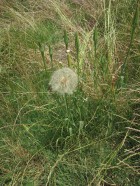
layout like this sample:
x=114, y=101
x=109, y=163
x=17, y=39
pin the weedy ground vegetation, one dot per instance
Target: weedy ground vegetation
x=86, y=130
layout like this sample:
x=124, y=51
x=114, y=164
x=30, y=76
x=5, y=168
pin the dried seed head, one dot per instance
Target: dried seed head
x=64, y=81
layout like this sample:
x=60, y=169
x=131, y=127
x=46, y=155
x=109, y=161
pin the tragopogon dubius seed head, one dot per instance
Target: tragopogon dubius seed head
x=64, y=81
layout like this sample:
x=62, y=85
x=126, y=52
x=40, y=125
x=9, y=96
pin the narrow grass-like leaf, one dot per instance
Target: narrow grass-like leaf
x=42, y=51
x=133, y=28
x=66, y=39
x=51, y=55
x=95, y=40
x=77, y=46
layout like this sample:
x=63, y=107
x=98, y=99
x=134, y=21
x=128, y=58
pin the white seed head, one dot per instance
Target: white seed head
x=64, y=81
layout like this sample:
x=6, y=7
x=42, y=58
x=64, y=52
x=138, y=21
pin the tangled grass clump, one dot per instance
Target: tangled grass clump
x=86, y=130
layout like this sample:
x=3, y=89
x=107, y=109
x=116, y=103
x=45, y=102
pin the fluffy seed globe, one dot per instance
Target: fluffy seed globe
x=64, y=81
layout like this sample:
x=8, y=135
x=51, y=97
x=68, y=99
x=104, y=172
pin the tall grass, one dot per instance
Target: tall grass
x=92, y=136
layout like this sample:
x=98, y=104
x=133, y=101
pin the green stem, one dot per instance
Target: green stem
x=134, y=25
x=42, y=49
